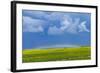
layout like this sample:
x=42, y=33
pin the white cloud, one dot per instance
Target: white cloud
x=54, y=31
x=66, y=22
x=32, y=25
x=69, y=25
x=35, y=14
x=53, y=16
x=73, y=26
x=37, y=21
x=82, y=27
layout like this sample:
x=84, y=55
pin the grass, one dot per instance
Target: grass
x=56, y=54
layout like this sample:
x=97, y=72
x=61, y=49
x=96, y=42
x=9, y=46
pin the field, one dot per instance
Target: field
x=56, y=54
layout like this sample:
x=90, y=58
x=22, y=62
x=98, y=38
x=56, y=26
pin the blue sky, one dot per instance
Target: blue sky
x=49, y=28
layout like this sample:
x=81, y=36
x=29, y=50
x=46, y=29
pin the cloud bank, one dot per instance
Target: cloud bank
x=32, y=25
x=57, y=23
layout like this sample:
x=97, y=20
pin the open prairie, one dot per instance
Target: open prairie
x=56, y=54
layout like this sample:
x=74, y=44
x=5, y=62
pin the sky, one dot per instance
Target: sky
x=51, y=28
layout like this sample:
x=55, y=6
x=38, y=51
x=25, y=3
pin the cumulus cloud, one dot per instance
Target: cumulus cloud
x=69, y=25
x=35, y=14
x=73, y=26
x=38, y=21
x=32, y=25
x=54, y=31
x=51, y=16
x=54, y=16
x=66, y=22
x=82, y=27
